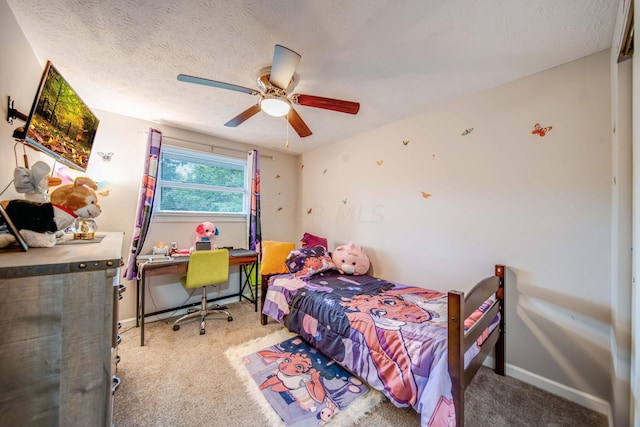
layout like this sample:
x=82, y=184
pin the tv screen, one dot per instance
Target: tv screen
x=60, y=123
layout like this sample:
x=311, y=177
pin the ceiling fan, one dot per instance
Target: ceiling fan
x=274, y=86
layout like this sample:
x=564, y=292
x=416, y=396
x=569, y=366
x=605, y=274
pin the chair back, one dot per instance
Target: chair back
x=207, y=268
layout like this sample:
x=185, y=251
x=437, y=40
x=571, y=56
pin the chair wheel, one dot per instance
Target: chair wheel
x=229, y=319
x=176, y=327
x=202, y=331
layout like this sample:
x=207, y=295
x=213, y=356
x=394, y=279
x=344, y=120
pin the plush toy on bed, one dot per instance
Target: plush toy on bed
x=205, y=232
x=351, y=259
x=41, y=223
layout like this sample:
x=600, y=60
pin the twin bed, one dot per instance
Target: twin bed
x=419, y=347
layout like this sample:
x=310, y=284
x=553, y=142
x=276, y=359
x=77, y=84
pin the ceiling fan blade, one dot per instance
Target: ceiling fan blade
x=297, y=123
x=326, y=103
x=246, y=114
x=283, y=66
x=214, y=83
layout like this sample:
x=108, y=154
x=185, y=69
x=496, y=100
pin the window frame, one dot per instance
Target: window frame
x=186, y=154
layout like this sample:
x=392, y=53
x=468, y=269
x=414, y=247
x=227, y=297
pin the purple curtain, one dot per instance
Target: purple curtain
x=145, y=204
x=255, y=232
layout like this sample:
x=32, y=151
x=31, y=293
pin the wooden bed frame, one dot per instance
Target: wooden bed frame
x=461, y=306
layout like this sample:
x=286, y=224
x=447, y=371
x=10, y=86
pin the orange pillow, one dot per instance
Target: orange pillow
x=273, y=256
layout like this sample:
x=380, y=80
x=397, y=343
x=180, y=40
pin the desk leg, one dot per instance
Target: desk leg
x=248, y=270
x=137, y=302
x=240, y=281
x=142, y=288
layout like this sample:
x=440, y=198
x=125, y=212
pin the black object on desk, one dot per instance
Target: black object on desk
x=247, y=261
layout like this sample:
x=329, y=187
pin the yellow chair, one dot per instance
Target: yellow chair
x=205, y=268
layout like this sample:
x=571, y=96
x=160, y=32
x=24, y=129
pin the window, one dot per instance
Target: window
x=197, y=182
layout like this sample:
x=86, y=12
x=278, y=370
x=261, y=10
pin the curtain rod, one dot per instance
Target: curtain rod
x=216, y=146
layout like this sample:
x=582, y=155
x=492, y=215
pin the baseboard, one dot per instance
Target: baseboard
x=576, y=396
x=128, y=323
x=131, y=322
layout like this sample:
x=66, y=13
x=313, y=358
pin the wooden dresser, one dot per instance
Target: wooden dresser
x=59, y=336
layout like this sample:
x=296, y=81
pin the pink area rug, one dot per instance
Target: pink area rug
x=299, y=385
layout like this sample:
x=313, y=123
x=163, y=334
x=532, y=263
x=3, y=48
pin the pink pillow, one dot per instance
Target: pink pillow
x=309, y=241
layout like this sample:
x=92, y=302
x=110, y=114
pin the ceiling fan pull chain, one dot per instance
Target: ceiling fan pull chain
x=286, y=124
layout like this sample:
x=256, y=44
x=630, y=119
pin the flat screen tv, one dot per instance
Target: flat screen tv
x=60, y=124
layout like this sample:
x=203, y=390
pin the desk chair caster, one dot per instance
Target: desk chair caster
x=202, y=331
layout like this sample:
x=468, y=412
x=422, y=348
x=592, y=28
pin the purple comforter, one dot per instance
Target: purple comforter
x=393, y=336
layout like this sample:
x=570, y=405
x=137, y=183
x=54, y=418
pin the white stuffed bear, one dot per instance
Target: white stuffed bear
x=34, y=182
x=41, y=223
x=351, y=259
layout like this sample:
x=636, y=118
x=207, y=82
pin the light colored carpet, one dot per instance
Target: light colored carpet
x=346, y=417
x=184, y=379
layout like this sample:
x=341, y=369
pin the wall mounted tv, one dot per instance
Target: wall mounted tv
x=60, y=124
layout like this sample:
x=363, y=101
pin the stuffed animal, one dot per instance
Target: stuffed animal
x=351, y=259
x=34, y=182
x=41, y=223
x=205, y=232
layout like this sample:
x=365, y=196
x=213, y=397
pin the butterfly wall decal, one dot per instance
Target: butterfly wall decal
x=379, y=162
x=405, y=141
x=426, y=195
x=539, y=130
x=105, y=156
x=467, y=131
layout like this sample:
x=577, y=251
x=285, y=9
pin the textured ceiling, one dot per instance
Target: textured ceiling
x=397, y=58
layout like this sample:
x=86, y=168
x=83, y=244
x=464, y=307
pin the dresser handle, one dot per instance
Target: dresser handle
x=116, y=384
x=118, y=339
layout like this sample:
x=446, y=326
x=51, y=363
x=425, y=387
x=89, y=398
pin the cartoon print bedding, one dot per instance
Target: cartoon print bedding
x=393, y=336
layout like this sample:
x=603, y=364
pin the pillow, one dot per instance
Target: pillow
x=309, y=241
x=305, y=262
x=274, y=255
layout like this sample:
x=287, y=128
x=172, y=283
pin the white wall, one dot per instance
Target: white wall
x=622, y=186
x=20, y=73
x=542, y=206
x=635, y=120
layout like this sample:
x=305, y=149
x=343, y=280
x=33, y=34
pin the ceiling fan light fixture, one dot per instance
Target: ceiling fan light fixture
x=274, y=105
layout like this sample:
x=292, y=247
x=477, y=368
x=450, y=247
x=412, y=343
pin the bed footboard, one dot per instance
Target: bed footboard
x=460, y=307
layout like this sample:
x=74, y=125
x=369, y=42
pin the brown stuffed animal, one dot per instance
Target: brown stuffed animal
x=41, y=223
